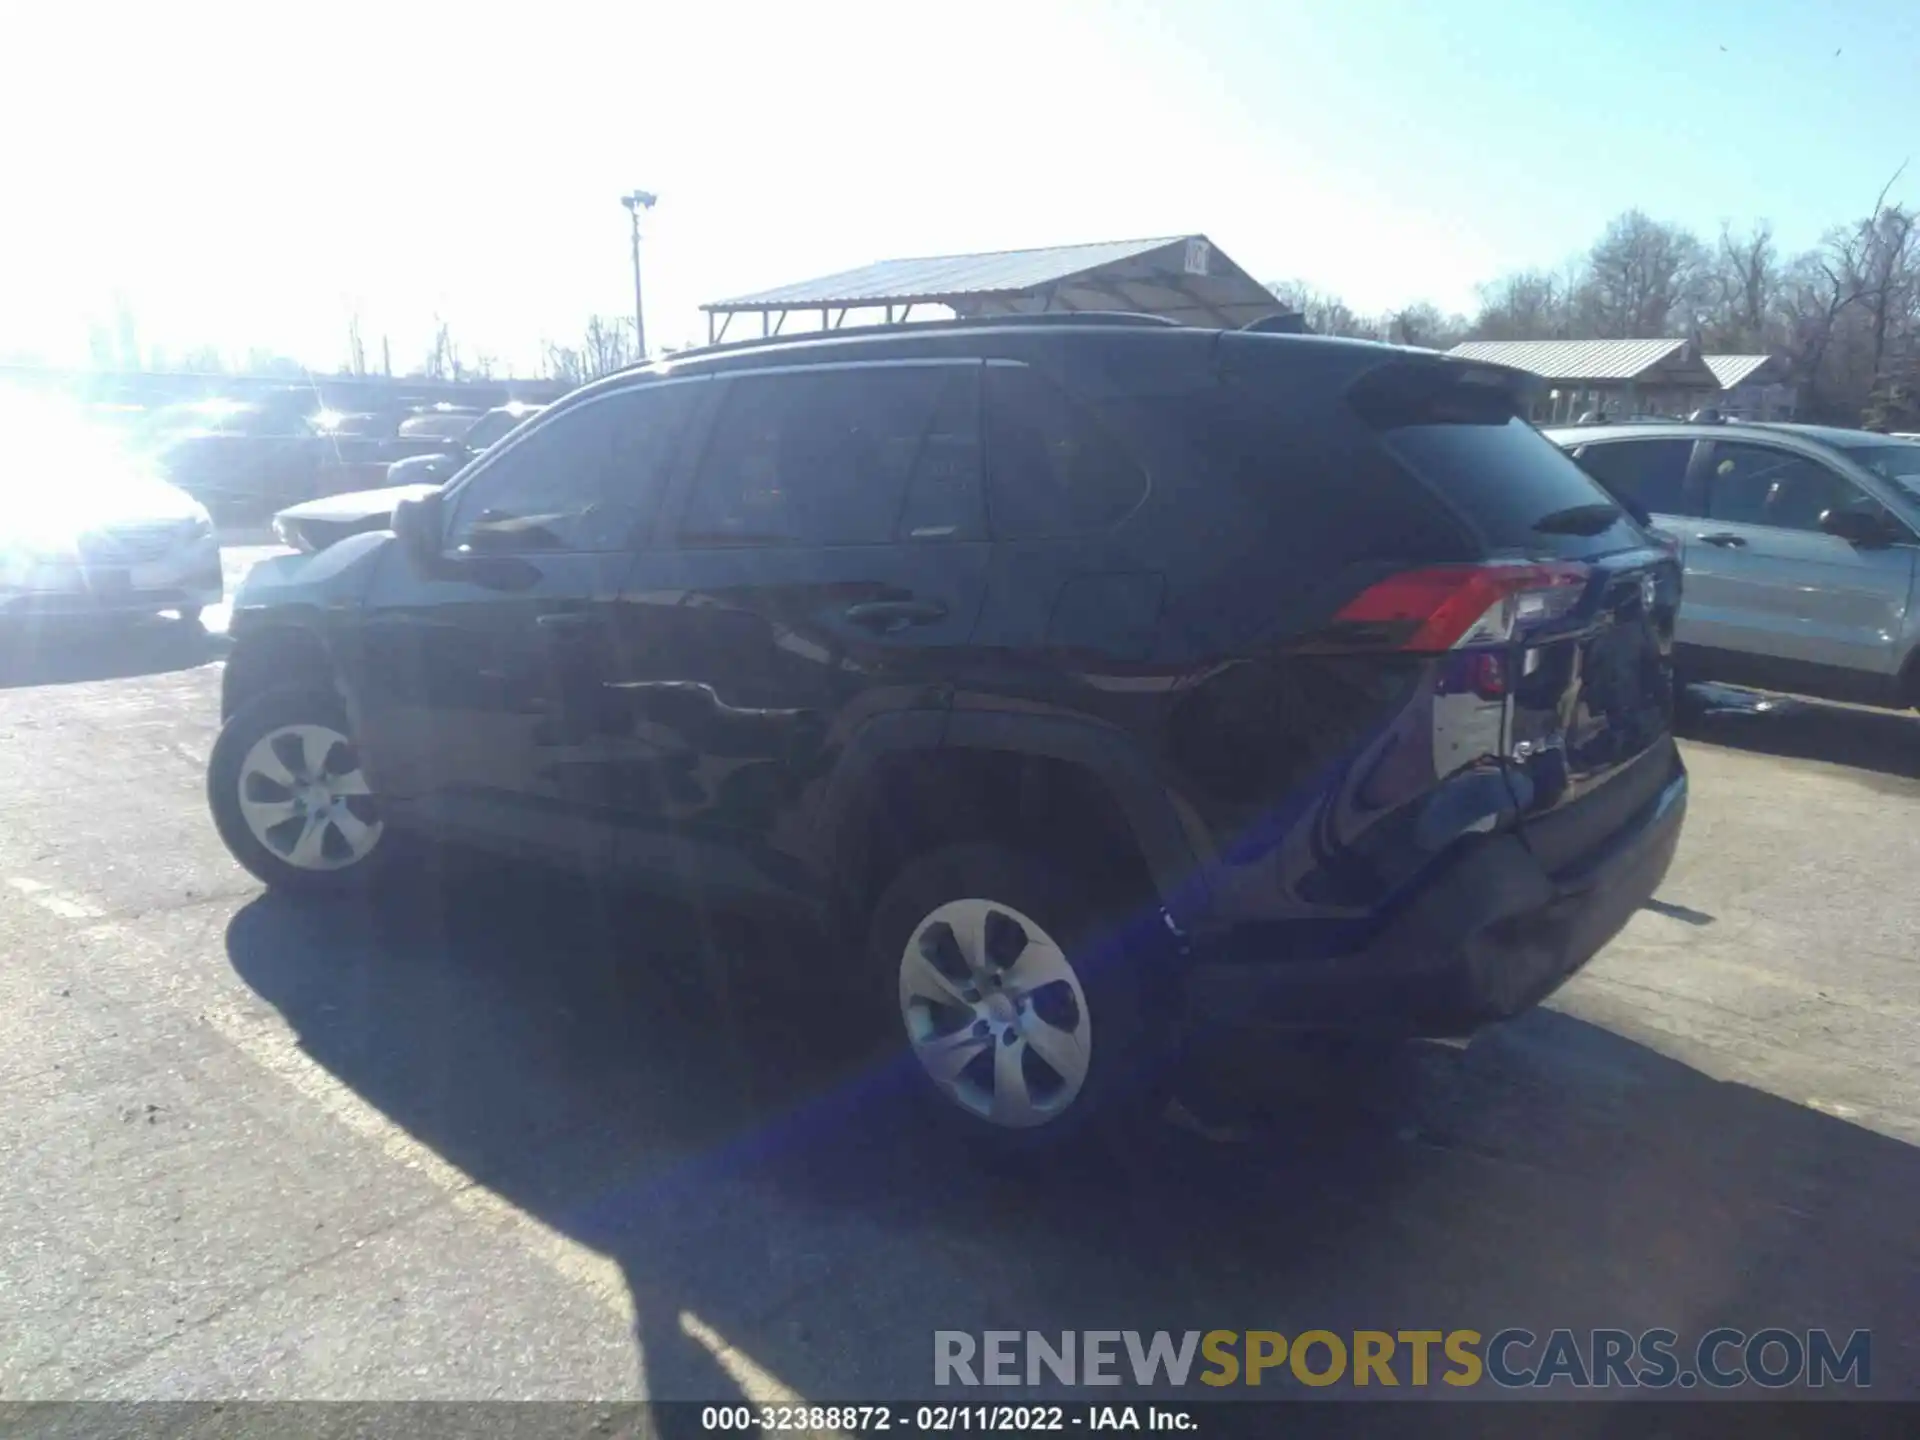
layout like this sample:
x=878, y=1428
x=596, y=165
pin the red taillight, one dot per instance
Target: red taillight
x=1448, y=606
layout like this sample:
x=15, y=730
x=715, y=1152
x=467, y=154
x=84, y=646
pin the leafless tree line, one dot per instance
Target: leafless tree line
x=1843, y=316
x=606, y=346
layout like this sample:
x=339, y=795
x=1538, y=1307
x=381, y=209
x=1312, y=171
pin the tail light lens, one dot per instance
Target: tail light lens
x=1451, y=606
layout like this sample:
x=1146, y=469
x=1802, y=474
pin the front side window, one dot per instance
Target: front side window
x=1896, y=461
x=1652, y=473
x=1759, y=485
x=583, y=480
x=857, y=456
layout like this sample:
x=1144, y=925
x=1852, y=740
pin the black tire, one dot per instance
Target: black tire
x=1112, y=952
x=249, y=724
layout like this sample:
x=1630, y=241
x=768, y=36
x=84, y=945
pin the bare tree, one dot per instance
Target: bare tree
x=1744, y=281
x=1525, y=305
x=606, y=346
x=1422, y=324
x=609, y=345
x=1325, y=314
x=563, y=363
x=443, y=359
x=1643, y=280
x=1850, y=314
x=356, y=351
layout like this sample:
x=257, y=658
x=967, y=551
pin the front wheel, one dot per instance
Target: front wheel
x=1015, y=994
x=289, y=795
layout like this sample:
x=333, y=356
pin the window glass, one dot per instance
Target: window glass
x=840, y=457
x=1055, y=471
x=945, y=497
x=1520, y=491
x=582, y=479
x=1651, y=472
x=1758, y=485
x=1898, y=462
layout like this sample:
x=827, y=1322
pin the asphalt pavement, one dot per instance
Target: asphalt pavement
x=501, y=1136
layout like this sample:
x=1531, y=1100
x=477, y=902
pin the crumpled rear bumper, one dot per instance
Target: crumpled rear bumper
x=1489, y=936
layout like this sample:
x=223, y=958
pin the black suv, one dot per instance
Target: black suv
x=1094, y=679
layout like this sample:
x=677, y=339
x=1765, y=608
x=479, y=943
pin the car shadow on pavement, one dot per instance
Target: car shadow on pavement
x=73, y=652
x=782, y=1219
x=1887, y=741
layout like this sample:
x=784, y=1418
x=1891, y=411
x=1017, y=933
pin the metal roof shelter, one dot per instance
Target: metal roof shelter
x=1182, y=277
x=1665, y=363
x=1732, y=370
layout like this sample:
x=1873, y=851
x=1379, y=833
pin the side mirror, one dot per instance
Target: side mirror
x=419, y=525
x=1865, y=528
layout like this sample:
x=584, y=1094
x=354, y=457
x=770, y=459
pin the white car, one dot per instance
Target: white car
x=86, y=529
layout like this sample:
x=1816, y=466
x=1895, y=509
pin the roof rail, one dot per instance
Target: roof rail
x=1118, y=319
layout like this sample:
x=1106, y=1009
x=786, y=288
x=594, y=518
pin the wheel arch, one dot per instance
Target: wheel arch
x=1907, y=684
x=1009, y=777
x=287, y=652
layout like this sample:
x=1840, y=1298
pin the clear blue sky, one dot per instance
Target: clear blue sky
x=253, y=174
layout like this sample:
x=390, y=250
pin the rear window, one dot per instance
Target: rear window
x=1514, y=488
x=1652, y=472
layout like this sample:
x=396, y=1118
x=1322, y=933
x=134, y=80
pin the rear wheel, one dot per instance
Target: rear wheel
x=289, y=795
x=1012, y=993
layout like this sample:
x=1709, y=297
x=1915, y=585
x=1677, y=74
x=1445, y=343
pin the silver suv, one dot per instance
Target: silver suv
x=1801, y=545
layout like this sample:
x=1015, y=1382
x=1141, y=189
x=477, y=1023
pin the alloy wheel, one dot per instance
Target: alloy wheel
x=995, y=1013
x=306, y=799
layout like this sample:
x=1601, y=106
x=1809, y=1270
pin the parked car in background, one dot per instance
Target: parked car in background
x=1800, y=546
x=242, y=459
x=87, y=528
x=475, y=438
x=317, y=524
x=1094, y=680
x=245, y=459
x=443, y=421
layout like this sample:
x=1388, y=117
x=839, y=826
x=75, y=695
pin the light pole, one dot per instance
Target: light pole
x=635, y=202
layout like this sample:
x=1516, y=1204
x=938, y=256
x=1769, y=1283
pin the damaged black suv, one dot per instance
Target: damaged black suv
x=1093, y=678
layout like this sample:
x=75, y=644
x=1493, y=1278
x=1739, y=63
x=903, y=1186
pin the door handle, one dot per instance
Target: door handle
x=568, y=622
x=1725, y=539
x=882, y=616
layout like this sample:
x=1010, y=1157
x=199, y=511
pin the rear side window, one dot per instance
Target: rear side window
x=1520, y=493
x=1652, y=472
x=1055, y=470
x=841, y=457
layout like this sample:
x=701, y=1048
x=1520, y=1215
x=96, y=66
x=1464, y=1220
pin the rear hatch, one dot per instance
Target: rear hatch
x=1576, y=630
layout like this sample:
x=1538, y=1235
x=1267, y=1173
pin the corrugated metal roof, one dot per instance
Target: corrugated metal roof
x=1575, y=359
x=936, y=276
x=1730, y=370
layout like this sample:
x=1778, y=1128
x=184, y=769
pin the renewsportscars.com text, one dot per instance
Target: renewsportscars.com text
x=1722, y=1358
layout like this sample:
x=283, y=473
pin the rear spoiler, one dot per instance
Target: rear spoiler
x=1422, y=389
